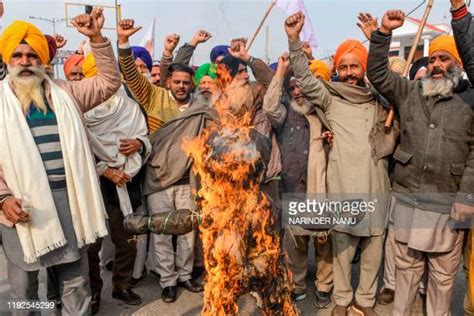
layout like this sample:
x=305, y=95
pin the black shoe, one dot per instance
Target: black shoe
x=137, y=282
x=323, y=299
x=169, y=294
x=127, y=296
x=95, y=303
x=191, y=286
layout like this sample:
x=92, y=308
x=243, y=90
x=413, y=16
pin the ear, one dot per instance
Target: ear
x=168, y=82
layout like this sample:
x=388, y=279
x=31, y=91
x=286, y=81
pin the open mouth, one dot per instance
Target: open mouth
x=26, y=73
x=439, y=75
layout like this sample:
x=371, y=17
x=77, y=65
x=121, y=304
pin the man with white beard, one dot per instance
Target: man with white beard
x=49, y=188
x=434, y=173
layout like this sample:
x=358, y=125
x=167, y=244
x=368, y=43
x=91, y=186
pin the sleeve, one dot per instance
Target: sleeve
x=463, y=31
x=272, y=105
x=91, y=92
x=262, y=73
x=314, y=90
x=388, y=83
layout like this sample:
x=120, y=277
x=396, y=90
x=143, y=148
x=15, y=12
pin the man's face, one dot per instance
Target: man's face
x=155, y=75
x=24, y=56
x=296, y=92
x=76, y=74
x=242, y=76
x=350, y=70
x=207, y=86
x=181, y=85
x=141, y=66
x=439, y=64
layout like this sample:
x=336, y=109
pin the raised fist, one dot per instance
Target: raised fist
x=293, y=25
x=171, y=42
x=125, y=29
x=392, y=20
x=201, y=36
x=90, y=25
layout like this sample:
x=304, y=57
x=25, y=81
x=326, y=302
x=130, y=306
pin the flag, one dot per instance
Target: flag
x=148, y=40
x=294, y=6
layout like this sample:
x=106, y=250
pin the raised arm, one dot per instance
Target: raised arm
x=313, y=89
x=139, y=85
x=463, y=31
x=170, y=44
x=390, y=84
x=272, y=105
x=185, y=53
x=262, y=72
x=93, y=91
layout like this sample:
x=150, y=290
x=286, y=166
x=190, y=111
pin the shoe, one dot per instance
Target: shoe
x=197, y=272
x=323, y=299
x=295, y=297
x=95, y=303
x=339, y=310
x=127, y=296
x=191, y=286
x=386, y=297
x=169, y=294
x=356, y=309
x=134, y=283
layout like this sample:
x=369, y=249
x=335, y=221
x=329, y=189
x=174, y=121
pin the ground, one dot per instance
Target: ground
x=190, y=303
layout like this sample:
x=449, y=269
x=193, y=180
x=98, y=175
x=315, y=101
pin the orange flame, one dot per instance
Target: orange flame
x=241, y=250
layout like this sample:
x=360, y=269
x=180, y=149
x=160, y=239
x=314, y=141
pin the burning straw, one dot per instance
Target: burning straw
x=241, y=250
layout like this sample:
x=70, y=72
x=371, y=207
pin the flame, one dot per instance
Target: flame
x=241, y=250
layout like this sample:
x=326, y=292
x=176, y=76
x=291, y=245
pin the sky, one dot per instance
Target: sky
x=333, y=20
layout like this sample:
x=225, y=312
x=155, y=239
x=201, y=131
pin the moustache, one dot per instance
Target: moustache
x=350, y=77
x=437, y=70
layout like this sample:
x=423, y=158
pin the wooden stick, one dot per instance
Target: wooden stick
x=272, y=4
x=411, y=55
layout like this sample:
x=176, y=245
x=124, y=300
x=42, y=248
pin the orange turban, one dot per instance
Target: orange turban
x=352, y=46
x=321, y=69
x=89, y=68
x=71, y=62
x=445, y=43
x=20, y=31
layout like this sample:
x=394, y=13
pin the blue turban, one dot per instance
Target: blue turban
x=143, y=54
x=274, y=66
x=221, y=50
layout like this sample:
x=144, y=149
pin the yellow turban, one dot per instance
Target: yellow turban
x=397, y=64
x=89, y=68
x=321, y=69
x=20, y=31
x=445, y=43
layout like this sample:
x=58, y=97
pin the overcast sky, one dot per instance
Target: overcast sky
x=333, y=20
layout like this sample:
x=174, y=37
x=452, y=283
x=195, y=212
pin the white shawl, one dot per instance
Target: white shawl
x=117, y=118
x=25, y=174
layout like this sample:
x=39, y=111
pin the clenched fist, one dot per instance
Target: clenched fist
x=171, y=42
x=392, y=20
x=125, y=29
x=91, y=25
x=293, y=26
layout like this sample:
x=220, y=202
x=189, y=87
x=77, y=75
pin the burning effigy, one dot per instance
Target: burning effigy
x=241, y=250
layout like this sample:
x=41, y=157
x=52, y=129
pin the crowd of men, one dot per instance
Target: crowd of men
x=80, y=155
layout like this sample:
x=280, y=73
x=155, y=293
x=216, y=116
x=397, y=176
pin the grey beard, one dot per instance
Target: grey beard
x=301, y=109
x=441, y=87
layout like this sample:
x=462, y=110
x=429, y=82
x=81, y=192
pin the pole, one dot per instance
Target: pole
x=411, y=55
x=267, y=32
x=272, y=4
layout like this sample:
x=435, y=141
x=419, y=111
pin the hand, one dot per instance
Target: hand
x=80, y=50
x=11, y=208
x=118, y=177
x=392, y=20
x=456, y=4
x=367, y=24
x=4, y=221
x=60, y=41
x=459, y=212
x=129, y=147
x=201, y=36
x=329, y=137
x=237, y=49
x=90, y=25
x=308, y=50
x=125, y=29
x=293, y=26
x=283, y=64
x=171, y=42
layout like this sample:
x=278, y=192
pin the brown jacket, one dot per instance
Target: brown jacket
x=87, y=93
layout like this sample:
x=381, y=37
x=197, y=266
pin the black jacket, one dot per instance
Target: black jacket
x=435, y=159
x=463, y=31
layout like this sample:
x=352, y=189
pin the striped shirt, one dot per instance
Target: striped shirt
x=44, y=128
x=159, y=107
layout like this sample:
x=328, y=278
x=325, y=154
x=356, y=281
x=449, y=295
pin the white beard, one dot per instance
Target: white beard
x=301, y=109
x=29, y=90
x=441, y=87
